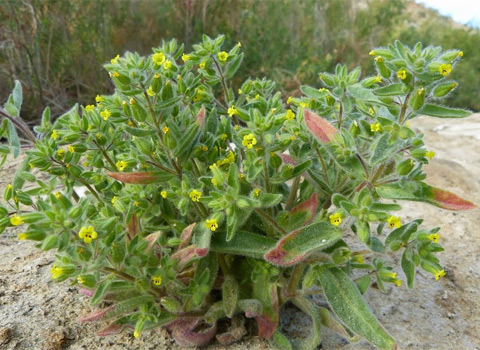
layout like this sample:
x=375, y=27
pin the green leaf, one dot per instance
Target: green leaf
x=443, y=112
x=230, y=291
x=101, y=290
x=268, y=200
x=233, y=66
x=383, y=150
x=391, y=90
x=359, y=92
x=243, y=243
x=350, y=307
x=138, y=132
x=313, y=93
x=311, y=341
x=422, y=192
x=17, y=95
x=142, y=177
x=128, y=305
x=232, y=178
x=168, y=103
x=280, y=342
x=298, y=245
x=408, y=266
x=330, y=322
x=13, y=140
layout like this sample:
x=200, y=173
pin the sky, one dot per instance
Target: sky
x=463, y=11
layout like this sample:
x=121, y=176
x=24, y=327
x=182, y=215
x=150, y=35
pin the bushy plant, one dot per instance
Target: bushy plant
x=179, y=202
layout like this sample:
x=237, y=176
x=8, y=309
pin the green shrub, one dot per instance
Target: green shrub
x=206, y=205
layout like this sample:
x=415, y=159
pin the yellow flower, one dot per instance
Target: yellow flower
x=439, y=274
x=202, y=65
x=164, y=194
x=214, y=182
x=372, y=53
x=430, y=154
x=242, y=176
x=204, y=148
x=289, y=100
x=89, y=108
x=54, y=134
x=185, y=57
x=16, y=220
x=378, y=79
x=394, y=221
x=99, y=99
x=114, y=199
x=230, y=158
x=292, y=138
x=87, y=234
x=132, y=101
x=56, y=271
x=150, y=92
x=257, y=192
x=165, y=129
x=445, y=69
x=402, y=74
x=157, y=280
x=335, y=219
x=434, y=237
x=121, y=165
x=378, y=59
x=358, y=259
x=223, y=56
x=22, y=236
x=290, y=115
x=304, y=104
x=212, y=224
x=249, y=141
x=115, y=60
x=372, y=112
x=223, y=136
x=232, y=111
x=421, y=91
x=398, y=282
x=375, y=127
x=257, y=97
x=115, y=74
x=322, y=89
x=105, y=114
x=239, y=44
x=460, y=54
x=167, y=64
x=240, y=91
x=195, y=195
x=136, y=203
x=61, y=153
x=71, y=149
x=58, y=195
x=158, y=58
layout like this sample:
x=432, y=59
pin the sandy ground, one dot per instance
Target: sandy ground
x=36, y=313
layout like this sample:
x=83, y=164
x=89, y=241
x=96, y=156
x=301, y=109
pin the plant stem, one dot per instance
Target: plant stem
x=295, y=278
x=107, y=157
x=225, y=89
x=271, y=220
x=293, y=193
x=324, y=167
x=404, y=110
x=20, y=125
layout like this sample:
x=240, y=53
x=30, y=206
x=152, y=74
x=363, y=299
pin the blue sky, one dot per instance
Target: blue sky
x=463, y=11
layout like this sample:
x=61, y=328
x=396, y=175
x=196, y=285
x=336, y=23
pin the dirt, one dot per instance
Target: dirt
x=37, y=313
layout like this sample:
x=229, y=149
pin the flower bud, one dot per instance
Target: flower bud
x=418, y=98
x=404, y=167
x=444, y=89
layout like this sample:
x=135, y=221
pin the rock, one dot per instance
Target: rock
x=5, y=335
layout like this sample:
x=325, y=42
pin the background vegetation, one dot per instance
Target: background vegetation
x=57, y=47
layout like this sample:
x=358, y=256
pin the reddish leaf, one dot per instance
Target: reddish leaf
x=151, y=239
x=88, y=292
x=186, y=235
x=133, y=226
x=200, y=118
x=95, y=315
x=448, y=200
x=184, y=331
x=268, y=322
x=309, y=205
x=112, y=329
x=140, y=178
x=298, y=245
x=287, y=159
x=319, y=127
x=188, y=254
